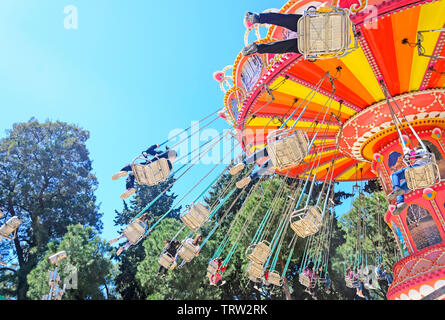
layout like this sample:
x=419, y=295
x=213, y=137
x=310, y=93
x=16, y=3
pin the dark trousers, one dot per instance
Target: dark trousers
x=288, y=21
x=162, y=270
x=261, y=170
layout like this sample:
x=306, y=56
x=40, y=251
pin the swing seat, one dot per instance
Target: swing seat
x=259, y=252
x=135, y=231
x=166, y=260
x=187, y=251
x=349, y=282
x=150, y=174
x=423, y=176
x=212, y=267
x=255, y=270
x=275, y=279
x=196, y=217
x=325, y=34
x=306, y=222
x=287, y=148
x=306, y=281
x=10, y=227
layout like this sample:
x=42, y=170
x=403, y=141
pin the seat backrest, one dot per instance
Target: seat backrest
x=10, y=226
x=322, y=33
x=151, y=174
x=287, y=148
x=255, y=270
x=422, y=176
x=187, y=251
x=135, y=231
x=196, y=217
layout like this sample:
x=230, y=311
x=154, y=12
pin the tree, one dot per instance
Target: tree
x=47, y=182
x=88, y=256
x=126, y=282
x=367, y=237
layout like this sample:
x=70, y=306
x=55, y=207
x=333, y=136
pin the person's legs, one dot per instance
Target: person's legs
x=116, y=239
x=388, y=278
x=122, y=173
x=126, y=168
x=256, y=156
x=130, y=181
x=397, y=177
x=285, y=20
x=283, y=46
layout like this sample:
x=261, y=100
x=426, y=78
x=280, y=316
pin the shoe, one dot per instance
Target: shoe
x=244, y=182
x=173, y=266
x=250, y=49
x=119, y=251
x=395, y=193
x=251, y=18
x=400, y=207
x=222, y=283
x=237, y=168
x=128, y=193
x=118, y=175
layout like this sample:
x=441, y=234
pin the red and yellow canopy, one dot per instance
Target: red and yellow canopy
x=383, y=58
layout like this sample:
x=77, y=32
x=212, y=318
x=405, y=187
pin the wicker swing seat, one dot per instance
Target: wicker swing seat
x=325, y=33
x=212, y=267
x=349, y=282
x=275, y=279
x=187, y=251
x=255, y=270
x=150, y=174
x=10, y=227
x=259, y=252
x=422, y=176
x=166, y=259
x=135, y=231
x=196, y=217
x=287, y=148
x=306, y=222
x=306, y=281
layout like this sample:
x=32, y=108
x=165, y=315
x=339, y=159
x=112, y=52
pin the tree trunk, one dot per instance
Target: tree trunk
x=285, y=283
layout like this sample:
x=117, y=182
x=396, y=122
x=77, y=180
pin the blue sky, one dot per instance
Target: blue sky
x=131, y=72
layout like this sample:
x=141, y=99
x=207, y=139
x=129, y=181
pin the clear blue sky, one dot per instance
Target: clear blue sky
x=130, y=73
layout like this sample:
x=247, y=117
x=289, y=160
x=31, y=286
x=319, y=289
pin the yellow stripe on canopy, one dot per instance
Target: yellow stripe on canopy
x=351, y=172
x=358, y=64
x=431, y=17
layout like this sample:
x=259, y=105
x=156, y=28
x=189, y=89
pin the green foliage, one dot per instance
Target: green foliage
x=127, y=285
x=47, y=182
x=88, y=254
x=366, y=237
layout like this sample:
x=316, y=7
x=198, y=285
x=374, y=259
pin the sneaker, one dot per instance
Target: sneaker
x=400, y=207
x=251, y=18
x=244, y=182
x=118, y=175
x=237, y=168
x=128, y=193
x=395, y=193
x=250, y=49
x=173, y=266
x=222, y=283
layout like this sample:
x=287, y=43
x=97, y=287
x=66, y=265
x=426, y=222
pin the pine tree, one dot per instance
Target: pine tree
x=126, y=282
